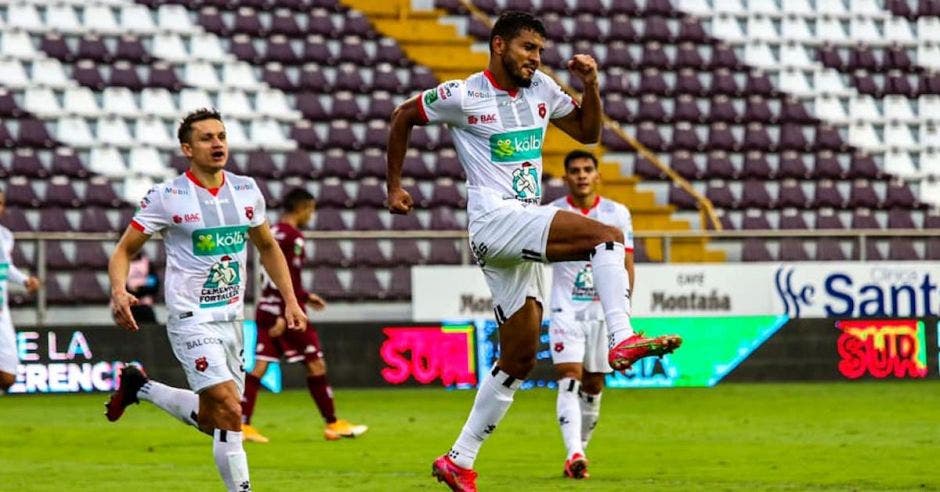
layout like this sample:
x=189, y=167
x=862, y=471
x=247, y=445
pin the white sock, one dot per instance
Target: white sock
x=231, y=460
x=569, y=415
x=590, y=414
x=611, y=284
x=180, y=403
x=493, y=399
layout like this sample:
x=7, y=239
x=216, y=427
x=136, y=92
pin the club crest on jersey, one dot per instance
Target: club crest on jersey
x=559, y=347
x=202, y=364
x=250, y=212
x=542, y=110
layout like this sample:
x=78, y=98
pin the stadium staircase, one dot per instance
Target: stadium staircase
x=449, y=55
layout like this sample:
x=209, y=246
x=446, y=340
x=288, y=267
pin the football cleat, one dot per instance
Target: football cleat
x=576, y=467
x=132, y=379
x=638, y=346
x=252, y=434
x=343, y=428
x=457, y=478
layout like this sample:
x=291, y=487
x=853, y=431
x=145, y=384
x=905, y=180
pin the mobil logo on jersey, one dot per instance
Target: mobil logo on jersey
x=516, y=146
x=858, y=290
x=219, y=240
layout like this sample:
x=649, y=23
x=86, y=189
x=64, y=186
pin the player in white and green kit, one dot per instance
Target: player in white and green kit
x=498, y=119
x=206, y=217
x=9, y=273
x=577, y=336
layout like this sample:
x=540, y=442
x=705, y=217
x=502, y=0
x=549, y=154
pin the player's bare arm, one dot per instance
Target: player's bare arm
x=584, y=123
x=316, y=302
x=278, y=329
x=274, y=263
x=32, y=284
x=118, y=266
x=404, y=118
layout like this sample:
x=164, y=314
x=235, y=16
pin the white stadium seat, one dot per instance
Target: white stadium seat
x=863, y=29
x=146, y=161
x=928, y=107
x=930, y=165
x=830, y=81
x=113, y=131
x=832, y=7
x=240, y=75
x=928, y=55
x=107, y=161
x=899, y=135
x=794, y=54
x=733, y=7
x=797, y=7
x=729, y=27
x=274, y=103
x=898, y=108
x=929, y=134
x=899, y=29
x=234, y=103
x=862, y=134
x=864, y=108
x=795, y=82
x=192, y=99
x=237, y=139
x=41, y=101
x=868, y=8
x=17, y=44
x=762, y=27
x=24, y=16
x=764, y=7
x=207, y=47
x=100, y=19
x=201, y=74
x=80, y=101
x=12, y=74
x=796, y=28
x=174, y=18
x=61, y=18
x=829, y=28
x=169, y=46
x=267, y=134
x=831, y=108
x=135, y=187
x=151, y=131
x=759, y=54
x=158, y=102
x=928, y=29
x=50, y=73
x=137, y=19
x=898, y=162
x=119, y=101
x=75, y=132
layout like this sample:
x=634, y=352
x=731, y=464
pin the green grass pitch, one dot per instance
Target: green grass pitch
x=845, y=436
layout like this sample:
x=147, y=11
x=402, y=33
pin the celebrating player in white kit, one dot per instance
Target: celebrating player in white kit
x=9, y=273
x=578, y=335
x=498, y=120
x=206, y=216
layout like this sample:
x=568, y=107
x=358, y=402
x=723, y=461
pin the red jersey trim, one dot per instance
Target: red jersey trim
x=628, y=250
x=489, y=76
x=136, y=225
x=421, y=111
x=213, y=191
x=584, y=211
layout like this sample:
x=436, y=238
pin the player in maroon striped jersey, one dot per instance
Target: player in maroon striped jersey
x=275, y=343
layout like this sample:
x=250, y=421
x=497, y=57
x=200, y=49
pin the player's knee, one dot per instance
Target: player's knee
x=591, y=387
x=519, y=366
x=610, y=234
x=6, y=380
x=316, y=367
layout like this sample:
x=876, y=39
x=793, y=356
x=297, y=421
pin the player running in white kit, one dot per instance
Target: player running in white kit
x=498, y=119
x=578, y=334
x=206, y=217
x=9, y=273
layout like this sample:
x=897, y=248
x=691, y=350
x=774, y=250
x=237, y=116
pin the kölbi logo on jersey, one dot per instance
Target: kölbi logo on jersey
x=219, y=240
x=858, y=291
x=516, y=146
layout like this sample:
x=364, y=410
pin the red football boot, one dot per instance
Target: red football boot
x=457, y=478
x=576, y=467
x=132, y=378
x=638, y=346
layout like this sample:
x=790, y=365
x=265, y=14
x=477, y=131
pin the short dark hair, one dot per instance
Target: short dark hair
x=185, y=131
x=295, y=197
x=579, y=154
x=512, y=22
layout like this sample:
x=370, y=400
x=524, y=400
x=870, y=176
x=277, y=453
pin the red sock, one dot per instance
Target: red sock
x=252, y=383
x=323, y=396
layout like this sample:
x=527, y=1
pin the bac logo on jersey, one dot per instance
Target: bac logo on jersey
x=202, y=364
x=483, y=119
x=187, y=218
x=250, y=212
x=542, y=110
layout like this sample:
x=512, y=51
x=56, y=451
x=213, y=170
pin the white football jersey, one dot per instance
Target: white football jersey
x=573, y=281
x=206, y=234
x=498, y=134
x=8, y=271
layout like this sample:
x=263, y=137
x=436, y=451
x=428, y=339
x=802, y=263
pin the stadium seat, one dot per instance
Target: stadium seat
x=367, y=253
x=792, y=249
x=367, y=219
x=327, y=284
x=364, y=285
x=26, y=163
x=755, y=250
x=60, y=193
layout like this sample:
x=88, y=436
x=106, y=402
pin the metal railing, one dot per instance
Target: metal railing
x=859, y=237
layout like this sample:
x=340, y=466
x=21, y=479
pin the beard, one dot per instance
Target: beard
x=515, y=73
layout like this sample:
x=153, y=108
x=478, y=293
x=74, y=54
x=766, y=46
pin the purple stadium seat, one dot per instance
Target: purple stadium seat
x=26, y=163
x=8, y=106
x=649, y=135
x=897, y=58
x=448, y=166
x=385, y=79
x=261, y=164
x=53, y=220
x=791, y=194
x=353, y=51
x=656, y=28
x=932, y=248
x=688, y=56
x=333, y=194
x=6, y=138
x=755, y=220
x=367, y=219
x=86, y=73
x=753, y=249
x=621, y=29
x=754, y=195
x=33, y=133
x=618, y=55
x=686, y=109
x=863, y=166
x=719, y=166
x=90, y=254
x=617, y=82
x=94, y=219
x=793, y=249
x=900, y=8
x=759, y=83
x=865, y=83
x=211, y=20
x=723, y=82
x=56, y=258
x=92, y=47
x=341, y=136
x=723, y=56
x=792, y=219
x=650, y=109
x=415, y=167
x=312, y=80
x=364, y=285
x=19, y=192
x=446, y=193
x=684, y=164
x=829, y=56
x=902, y=249
x=684, y=136
x=898, y=83
x=248, y=22
x=15, y=219
x=319, y=23
x=826, y=218
x=688, y=82
x=862, y=195
x=872, y=253
x=283, y=22
x=355, y=24
x=900, y=219
x=899, y=194
x=371, y=194
x=326, y=283
x=863, y=219
x=829, y=249
x=101, y=192
x=756, y=137
x=653, y=82
x=792, y=166
x=756, y=166
x=721, y=138
x=317, y=51
x=298, y=163
x=928, y=8
x=613, y=141
x=417, y=196
x=329, y=219
x=691, y=30
x=54, y=45
x=861, y=57
x=615, y=7
x=443, y=219
x=792, y=110
x=399, y=286
x=827, y=195
x=129, y=48
x=654, y=56
x=616, y=108
x=309, y=106
x=555, y=30
x=928, y=83
x=681, y=198
x=408, y=222
x=124, y=74
x=366, y=252
x=932, y=220
x=345, y=106
x=179, y=163
x=792, y=137
x=721, y=108
x=373, y=164
x=644, y=168
x=586, y=29
x=443, y=252
x=388, y=51
x=406, y=252
x=162, y=75
x=420, y=139
x=305, y=135
x=827, y=166
x=327, y=252
x=758, y=110
x=60, y=193
x=278, y=49
x=720, y=194
x=85, y=288
x=336, y=164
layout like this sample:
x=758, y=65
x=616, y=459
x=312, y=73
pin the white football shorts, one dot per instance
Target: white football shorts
x=8, y=357
x=211, y=353
x=579, y=342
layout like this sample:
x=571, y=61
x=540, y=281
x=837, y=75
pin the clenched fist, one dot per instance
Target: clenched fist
x=584, y=67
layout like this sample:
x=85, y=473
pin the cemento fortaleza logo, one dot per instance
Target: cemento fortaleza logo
x=516, y=146
x=219, y=240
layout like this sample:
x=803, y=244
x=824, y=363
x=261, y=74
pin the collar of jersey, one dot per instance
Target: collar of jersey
x=489, y=76
x=584, y=211
x=213, y=191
